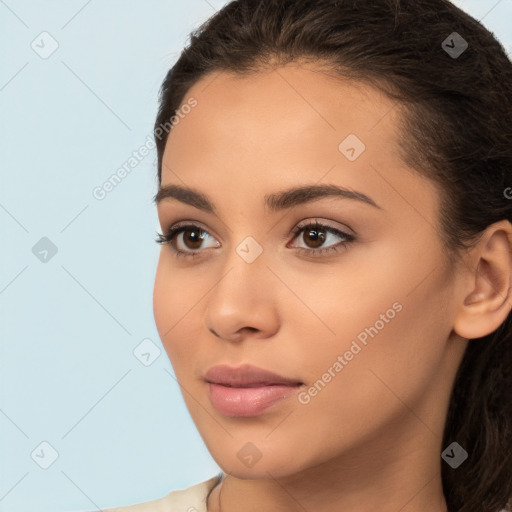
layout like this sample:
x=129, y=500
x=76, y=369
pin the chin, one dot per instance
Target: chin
x=235, y=459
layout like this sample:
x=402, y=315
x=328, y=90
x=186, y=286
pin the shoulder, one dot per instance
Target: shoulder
x=191, y=499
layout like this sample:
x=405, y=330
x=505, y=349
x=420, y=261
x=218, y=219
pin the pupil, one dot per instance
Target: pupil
x=319, y=238
x=194, y=238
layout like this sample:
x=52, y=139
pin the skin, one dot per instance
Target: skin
x=372, y=438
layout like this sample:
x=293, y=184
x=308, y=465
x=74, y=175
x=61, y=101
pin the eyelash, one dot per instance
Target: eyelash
x=312, y=226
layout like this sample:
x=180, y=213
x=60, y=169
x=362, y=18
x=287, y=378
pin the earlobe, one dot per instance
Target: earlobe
x=485, y=289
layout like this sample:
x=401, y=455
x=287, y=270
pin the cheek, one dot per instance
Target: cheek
x=396, y=365
x=174, y=300
x=162, y=301
x=390, y=327
x=396, y=350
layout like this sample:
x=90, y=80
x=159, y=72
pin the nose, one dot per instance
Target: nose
x=244, y=302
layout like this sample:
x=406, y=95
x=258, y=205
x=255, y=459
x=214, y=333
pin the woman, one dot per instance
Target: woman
x=333, y=288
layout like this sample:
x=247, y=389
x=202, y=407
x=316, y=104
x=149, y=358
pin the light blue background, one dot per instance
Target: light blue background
x=69, y=326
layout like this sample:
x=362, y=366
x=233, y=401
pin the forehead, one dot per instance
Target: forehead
x=293, y=103
x=291, y=125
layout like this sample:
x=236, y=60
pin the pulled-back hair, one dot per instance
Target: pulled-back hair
x=456, y=129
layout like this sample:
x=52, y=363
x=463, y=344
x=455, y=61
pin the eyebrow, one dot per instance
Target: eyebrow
x=274, y=202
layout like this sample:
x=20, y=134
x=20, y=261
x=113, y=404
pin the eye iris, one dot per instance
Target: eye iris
x=317, y=235
x=197, y=239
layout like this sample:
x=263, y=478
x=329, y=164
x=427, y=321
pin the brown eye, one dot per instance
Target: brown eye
x=317, y=237
x=314, y=236
x=192, y=238
x=187, y=245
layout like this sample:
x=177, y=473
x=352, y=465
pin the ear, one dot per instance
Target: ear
x=484, y=291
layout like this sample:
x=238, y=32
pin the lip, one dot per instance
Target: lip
x=247, y=390
x=245, y=376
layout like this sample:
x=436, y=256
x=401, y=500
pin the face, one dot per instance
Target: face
x=347, y=294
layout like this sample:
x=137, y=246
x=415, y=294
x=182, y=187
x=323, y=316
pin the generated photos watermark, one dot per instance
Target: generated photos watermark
x=101, y=191
x=304, y=397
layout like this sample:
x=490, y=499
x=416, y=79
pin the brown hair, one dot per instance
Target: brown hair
x=457, y=131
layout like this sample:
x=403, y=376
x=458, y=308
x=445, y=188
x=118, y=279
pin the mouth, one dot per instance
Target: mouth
x=246, y=376
x=247, y=390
